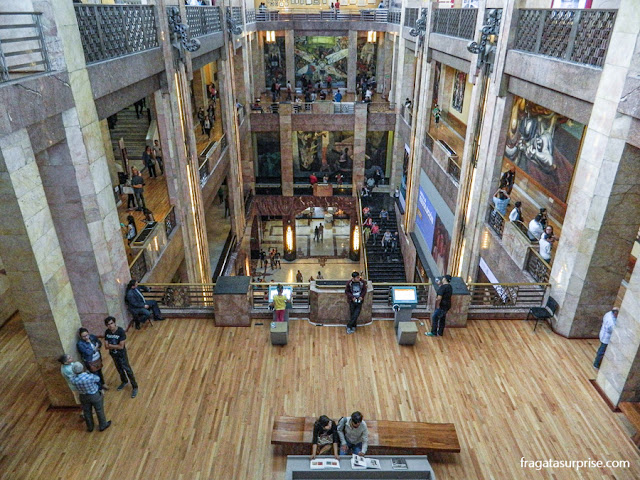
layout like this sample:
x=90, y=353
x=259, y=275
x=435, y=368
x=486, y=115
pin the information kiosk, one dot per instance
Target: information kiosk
x=280, y=330
x=405, y=299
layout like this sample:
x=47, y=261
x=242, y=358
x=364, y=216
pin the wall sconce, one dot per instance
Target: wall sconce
x=354, y=251
x=289, y=244
x=271, y=36
x=372, y=36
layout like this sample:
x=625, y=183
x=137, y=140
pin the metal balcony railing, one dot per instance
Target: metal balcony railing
x=309, y=15
x=189, y=296
x=22, y=48
x=236, y=14
x=251, y=15
x=580, y=36
x=203, y=20
x=505, y=296
x=537, y=267
x=410, y=16
x=496, y=221
x=382, y=107
x=394, y=16
x=210, y=159
x=455, y=22
x=111, y=31
x=150, y=246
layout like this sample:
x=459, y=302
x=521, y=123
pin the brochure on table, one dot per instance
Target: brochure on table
x=323, y=463
x=362, y=463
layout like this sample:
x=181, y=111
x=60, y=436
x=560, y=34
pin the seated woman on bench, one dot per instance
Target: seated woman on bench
x=325, y=435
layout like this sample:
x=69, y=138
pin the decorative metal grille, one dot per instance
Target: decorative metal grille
x=138, y=267
x=251, y=15
x=236, y=14
x=111, y=31
x=453, y=169
x=496, y=221
x=455, y=22
x=170, y=221
x=537, y=267
x=394, y=16
x=580, y=36
x=203, y=20
x=410, y=16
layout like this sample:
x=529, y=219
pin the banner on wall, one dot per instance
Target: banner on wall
x=543, y=146
x=459, y=84
x=426, y=217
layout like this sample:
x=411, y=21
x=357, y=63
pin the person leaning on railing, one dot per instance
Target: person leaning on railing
x=546, y=243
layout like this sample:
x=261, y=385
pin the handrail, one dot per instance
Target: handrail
x=495, y=220
x=229, y=244
x=27, y=54
x=363, y=243
x=182, y=295
x=506, y=295
x=537, y=266
x=139, y=266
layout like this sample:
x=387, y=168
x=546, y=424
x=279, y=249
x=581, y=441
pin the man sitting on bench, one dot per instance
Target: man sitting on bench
x=353, y=434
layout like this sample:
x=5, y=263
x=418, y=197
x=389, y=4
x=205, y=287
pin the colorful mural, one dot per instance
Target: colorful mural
x=459, y=83
x=367, y=58
x=275, y=64
x=544, y=146
x=319, y=57
x=322, y=153
x=267, y=157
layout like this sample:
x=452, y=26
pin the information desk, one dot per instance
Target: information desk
x=418, y=468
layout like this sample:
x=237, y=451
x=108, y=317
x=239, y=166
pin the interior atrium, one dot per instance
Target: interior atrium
x=211, y=150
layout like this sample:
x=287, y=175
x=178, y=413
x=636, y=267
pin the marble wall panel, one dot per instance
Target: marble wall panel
x=330, y=306
x=232, y=310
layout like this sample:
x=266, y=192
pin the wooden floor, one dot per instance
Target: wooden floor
x=208, y=398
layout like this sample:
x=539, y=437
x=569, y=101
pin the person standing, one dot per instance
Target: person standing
x=316, y=234
x=535, y=227
x=157, y=151
x=138, y=188
x=115, y=338
x=299, y=277
x=375, y=231
x=132, y=231
x=355, y=290
x=66, y=370
x=88, y=386
x=500, y=201
x=320, y=276
x=516, y=213
x=608, y=322
x=321, y=232
x=508, y=179
x=443, y=304
x=436, y=114
x=546, y=243
x=89, y=349
x=279, y=303
x=149, y=161
x=207, y=126
x=353, y=434
x=201, y=116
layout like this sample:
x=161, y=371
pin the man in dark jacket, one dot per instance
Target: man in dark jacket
x=140, y=307
x=356, y=289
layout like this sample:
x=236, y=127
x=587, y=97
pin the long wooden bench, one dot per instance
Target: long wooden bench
x=631, y=410
x=385, y=437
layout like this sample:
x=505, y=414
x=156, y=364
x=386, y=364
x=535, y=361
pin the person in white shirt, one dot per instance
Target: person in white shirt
x=516, y=213
x=535, y=227
x=546, y=243
x=608, y=322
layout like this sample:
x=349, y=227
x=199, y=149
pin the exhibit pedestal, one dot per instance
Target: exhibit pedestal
x=231, y=302
x=329, y=305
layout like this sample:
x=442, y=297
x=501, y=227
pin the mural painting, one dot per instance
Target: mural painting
x=322, y=153
x=459, y=83
x=367, y=58
x=436, y=84
x=441, y=246
x=268, y=157
x=376, y=154
x=275, y=64
x=544, y=146
x=320, y=57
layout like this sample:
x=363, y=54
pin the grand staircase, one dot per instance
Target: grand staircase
x=134, y=132
x=383, y=267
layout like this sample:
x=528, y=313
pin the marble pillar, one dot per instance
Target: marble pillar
x=359, y=145
x=286, y=149
x=619, y=376
x=380, y=52
x=289, y=52
x=352, y=61
x=200, y=93
x=35, y=265
x=239, y=70
x=259, y=66
x=386, y=77
x=603, y=209
x=114, y=167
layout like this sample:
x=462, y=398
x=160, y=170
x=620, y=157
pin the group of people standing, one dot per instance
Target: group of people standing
x=134, y=186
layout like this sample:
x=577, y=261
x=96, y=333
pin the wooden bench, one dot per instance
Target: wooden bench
x=385, y=437
x=631, y=410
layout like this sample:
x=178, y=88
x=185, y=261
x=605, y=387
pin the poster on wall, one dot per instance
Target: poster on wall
x=319, y=57
x=403, y=184
x=543, y=146
x=426, y=217
x=433, y=231
x=457, y=98
x=436, y=83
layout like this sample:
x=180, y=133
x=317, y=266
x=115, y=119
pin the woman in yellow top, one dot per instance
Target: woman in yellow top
x=279, y=304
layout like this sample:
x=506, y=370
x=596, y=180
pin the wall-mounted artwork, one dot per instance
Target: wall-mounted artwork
x=367, y=57
x=376, y=154
x=267, y=157
x=322, y=153
x=275, y=64
x=459, y=83
x=544, y=146
x=436, y=83
x=319, y=57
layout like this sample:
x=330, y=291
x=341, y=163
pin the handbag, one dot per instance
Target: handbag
x=127, y=190
x=95, y=365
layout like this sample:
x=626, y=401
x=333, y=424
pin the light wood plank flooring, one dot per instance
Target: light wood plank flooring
x=208, y=397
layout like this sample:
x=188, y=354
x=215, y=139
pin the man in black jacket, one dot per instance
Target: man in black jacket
x=139, y=306
x=356, y=289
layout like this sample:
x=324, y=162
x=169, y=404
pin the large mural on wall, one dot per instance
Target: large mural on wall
x=275, y=64
x=319, y=57
x=322, y=153
x=267, y=156
x=459, y=84
x=544, y=146
x=367, y=58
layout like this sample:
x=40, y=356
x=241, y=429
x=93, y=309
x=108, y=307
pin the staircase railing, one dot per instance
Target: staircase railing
x=363, y=250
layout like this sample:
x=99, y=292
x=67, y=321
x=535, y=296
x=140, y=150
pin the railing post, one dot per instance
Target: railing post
x=541, y=22
x=572, y=35
x=43, y=46
x=4, y=70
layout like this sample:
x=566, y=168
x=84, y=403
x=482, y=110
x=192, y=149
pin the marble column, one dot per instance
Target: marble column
x=289, y=53
x=200, y=89
x=388, y=69
x=286, y=149
x=34, y=264
x=101, y=256
x=397, y=49
x=380, y=61
x=114, y=167
x=352, y=61
x=603, y=209
x=359, y=145
x=258, y=65
x=618, y=375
